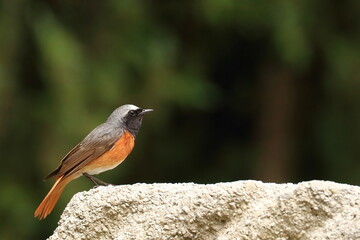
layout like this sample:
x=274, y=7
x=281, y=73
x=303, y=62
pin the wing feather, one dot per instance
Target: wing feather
x=99, y=141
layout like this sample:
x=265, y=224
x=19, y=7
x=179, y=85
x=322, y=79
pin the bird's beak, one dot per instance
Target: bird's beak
x=144, y=111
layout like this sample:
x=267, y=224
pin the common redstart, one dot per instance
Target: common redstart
x=102, y=149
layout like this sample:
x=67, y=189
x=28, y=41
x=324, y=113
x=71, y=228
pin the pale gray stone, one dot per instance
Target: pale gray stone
x=235, y=210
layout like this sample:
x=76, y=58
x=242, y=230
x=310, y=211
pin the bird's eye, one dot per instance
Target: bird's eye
x=132, y=113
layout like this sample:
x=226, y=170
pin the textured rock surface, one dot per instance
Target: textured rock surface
x=236, y=210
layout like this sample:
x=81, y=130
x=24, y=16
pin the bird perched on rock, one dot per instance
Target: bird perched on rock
x=102, y=149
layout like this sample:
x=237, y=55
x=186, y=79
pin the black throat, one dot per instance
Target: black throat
x=133, y=124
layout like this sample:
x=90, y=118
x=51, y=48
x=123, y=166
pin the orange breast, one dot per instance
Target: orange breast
x=113, y=157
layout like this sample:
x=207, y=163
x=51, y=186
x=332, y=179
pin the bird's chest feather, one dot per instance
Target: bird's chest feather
x=114, y=156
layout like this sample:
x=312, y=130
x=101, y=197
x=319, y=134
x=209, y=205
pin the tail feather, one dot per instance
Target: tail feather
x=47, y=205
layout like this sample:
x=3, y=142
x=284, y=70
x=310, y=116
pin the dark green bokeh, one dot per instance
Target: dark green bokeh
x=265, y=90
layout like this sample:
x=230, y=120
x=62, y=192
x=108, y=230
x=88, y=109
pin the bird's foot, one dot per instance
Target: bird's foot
x=95, y=180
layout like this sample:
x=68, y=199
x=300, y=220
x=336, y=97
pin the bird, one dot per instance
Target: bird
x=102, y=149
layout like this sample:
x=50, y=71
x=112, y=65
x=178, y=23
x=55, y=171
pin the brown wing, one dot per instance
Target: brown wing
x=99, y=141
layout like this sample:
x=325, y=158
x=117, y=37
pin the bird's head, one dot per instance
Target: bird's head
x=129, y=117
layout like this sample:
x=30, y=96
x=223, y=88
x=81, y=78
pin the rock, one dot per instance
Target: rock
x=236, y=210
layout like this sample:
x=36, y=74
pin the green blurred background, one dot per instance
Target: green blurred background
x=242, y=89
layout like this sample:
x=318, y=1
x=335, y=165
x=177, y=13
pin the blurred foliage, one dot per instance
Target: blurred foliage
x=265, y=90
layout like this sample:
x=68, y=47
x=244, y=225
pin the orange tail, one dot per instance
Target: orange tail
x=47, y=205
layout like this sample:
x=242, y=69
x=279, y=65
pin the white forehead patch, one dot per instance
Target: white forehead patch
x=129, y=107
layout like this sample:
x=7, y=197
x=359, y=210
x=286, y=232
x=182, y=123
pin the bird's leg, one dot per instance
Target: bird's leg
x=95, y=180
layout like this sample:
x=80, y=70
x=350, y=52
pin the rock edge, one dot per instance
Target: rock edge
x=235, y=210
